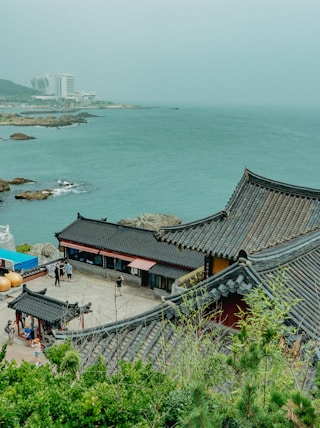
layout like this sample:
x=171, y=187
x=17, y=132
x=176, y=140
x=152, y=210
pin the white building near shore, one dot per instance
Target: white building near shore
x=6, y=239
x=60, y=85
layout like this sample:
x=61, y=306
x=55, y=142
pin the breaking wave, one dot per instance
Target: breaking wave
x=67, y=187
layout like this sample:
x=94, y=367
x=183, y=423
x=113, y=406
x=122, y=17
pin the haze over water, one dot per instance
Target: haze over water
x=123, y=163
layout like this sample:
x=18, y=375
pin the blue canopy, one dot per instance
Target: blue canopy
x=20, y=261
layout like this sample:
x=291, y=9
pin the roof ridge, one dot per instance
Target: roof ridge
x=287, y=251
x=219, y=215
x=281, y=186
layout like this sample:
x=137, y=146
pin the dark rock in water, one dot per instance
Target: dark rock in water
x=85, y=114
x=20, y=180
x=49, y=121
x=4, y=185
x=18, y=136
x=36, y=195
x=151, y=221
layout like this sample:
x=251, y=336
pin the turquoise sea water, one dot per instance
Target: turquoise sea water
x=123, y=163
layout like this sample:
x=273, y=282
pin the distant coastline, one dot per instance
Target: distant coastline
x=45, y=109
x=66, y=117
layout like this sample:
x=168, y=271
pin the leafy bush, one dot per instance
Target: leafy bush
x=24, y=248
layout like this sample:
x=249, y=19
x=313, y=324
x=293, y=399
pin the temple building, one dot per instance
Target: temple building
x=267, y=227
x=109, y=249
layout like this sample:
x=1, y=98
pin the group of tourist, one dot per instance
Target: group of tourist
x=60, y=270
x=28, y=336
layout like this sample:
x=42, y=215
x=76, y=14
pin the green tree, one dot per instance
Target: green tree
x=254, y=382
x=208, y=378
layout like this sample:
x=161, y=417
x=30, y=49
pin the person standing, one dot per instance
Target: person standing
x=69, y=269
x=11, y=330
x=119, y=285
x=36, y=344
x=62, y=270
x=57, y=276
x=27, y=334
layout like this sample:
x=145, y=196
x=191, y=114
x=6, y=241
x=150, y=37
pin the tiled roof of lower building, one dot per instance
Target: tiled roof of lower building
x=127, y=240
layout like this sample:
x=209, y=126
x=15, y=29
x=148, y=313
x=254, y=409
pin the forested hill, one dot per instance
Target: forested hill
x=8, y=88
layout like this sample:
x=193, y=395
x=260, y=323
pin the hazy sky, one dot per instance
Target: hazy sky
x=169, y=51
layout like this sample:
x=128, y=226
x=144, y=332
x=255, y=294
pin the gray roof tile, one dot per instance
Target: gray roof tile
x=38, y=305
x=261, y=213
x=128, y=240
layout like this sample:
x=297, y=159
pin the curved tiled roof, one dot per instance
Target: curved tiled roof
x=38, y=305
x=127, y=240
x=260, y=214
x=152, y=335
x=301, y=262
x=275, y=224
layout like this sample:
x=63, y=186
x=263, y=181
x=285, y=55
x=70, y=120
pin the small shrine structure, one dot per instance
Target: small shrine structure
x=46, y=313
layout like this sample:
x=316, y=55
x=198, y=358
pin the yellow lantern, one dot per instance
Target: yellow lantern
x=5, y=284
x=14, y=278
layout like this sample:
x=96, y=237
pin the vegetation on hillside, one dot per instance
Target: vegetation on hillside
x=258, y=380
x=11, y=90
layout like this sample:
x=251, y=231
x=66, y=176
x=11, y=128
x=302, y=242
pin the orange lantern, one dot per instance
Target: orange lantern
x=5, y=284
x=14, y=278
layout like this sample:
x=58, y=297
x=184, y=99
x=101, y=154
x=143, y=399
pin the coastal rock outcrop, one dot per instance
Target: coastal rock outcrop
x=46, y=253
x=21, y=180
x=151, y=221
x=4, y=185
x=20, y=137
x=35, y=195
x=49, y=121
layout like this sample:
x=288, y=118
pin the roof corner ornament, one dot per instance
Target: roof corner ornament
x=224, y=215
x=246, y=174
x=243, y=258
x=243, y=261
x=179, y=247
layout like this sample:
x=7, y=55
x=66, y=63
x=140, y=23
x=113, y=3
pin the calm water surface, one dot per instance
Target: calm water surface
x=124, y=163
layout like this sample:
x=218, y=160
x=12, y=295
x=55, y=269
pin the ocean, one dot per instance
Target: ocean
x=125, y=162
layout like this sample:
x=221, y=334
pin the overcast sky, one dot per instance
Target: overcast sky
x=260, y=52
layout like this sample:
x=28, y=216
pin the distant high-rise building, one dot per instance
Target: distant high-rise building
x=60, y=85
x=65, y=85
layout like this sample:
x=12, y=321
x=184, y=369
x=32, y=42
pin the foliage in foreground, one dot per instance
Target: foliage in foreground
x=255, y=382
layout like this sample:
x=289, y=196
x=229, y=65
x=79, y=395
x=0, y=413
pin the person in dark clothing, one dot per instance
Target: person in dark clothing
x=57, y=276
x=62, y=270
x=119, y=285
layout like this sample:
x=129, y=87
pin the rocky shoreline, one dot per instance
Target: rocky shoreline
x=11, y=119
x=27, y=194
x=144, y=221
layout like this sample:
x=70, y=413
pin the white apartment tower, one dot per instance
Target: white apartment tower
x=65, y=85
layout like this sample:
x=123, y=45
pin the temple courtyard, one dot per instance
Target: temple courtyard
x=83, y=288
